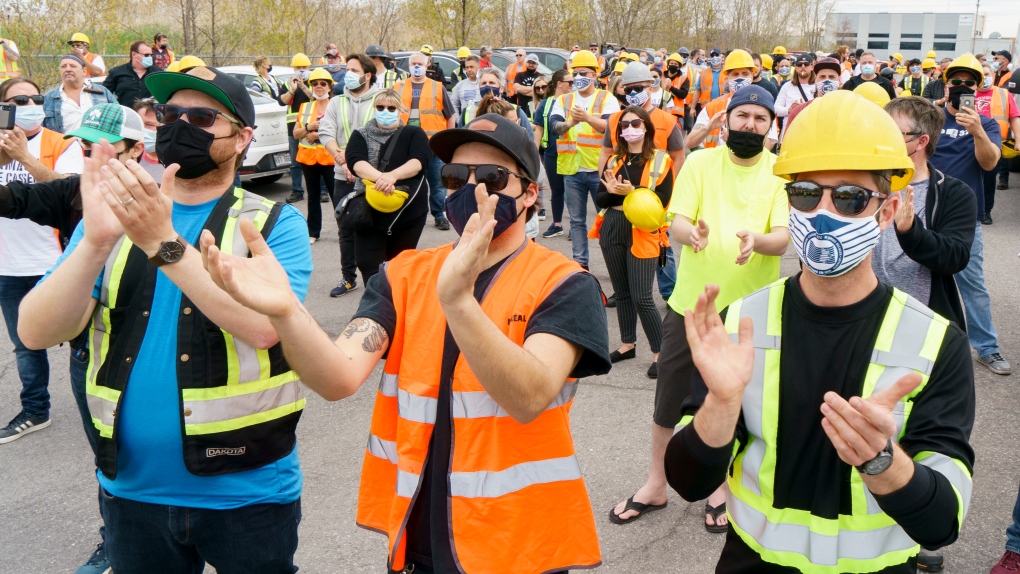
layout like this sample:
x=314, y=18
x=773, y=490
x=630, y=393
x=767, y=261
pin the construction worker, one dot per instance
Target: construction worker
x=739, y=69
x=429, y=107
x=893, y=469
x=928, y=68
x=783, y=68
x=997, y=103
x=937, y=92
x=386, y=75
x=516, y=67
x=432, y=70
x=894, y=62
x=465, y=93
x=766, y=66
x=677, y=82
x=869, y=73
x=914, y=84
x=708, y=85
x=94, y=64
x=593, y=47
x=579, y=121
x=9, y=56
x=297, y=93
x=316, y=162
x=426, y=481
x=463, y=53
x=760, y=78
x=730, y=214
x=1000, y=65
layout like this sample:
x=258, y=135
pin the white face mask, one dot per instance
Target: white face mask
x=149, y=139
x=830, y=244
x=29, y=118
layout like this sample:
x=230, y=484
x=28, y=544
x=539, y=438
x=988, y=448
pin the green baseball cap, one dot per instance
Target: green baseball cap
x=110, y=122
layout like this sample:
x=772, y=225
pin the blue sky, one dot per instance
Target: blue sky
x=1003, y=15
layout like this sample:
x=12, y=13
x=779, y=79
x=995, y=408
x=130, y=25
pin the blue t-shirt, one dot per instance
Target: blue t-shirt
x=150, y=461
x=954, y=155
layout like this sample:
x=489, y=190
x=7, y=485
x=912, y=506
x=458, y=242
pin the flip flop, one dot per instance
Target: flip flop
x=640, y=508
x=715, y=512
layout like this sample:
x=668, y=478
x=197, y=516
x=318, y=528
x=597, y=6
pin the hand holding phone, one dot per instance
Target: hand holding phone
x=7, y=112
x=967, y=101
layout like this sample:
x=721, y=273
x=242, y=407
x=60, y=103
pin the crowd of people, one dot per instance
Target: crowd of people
x=124, y=224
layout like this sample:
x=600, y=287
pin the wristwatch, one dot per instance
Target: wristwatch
x=169, y=252
x=881, y=462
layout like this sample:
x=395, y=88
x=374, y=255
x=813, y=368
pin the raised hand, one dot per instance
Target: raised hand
x=143, y=208
x=457, y=277
x=746, y=246
x=725, y=366
x=15, y=144
x=101, y=226
x=904, y=217
x=860, y=428
x=699, y=236
x=258, y=282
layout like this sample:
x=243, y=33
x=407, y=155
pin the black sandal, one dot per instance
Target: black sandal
x=715, y=512
x=631, y=505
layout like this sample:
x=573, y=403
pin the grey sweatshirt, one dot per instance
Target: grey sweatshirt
x=359, y=109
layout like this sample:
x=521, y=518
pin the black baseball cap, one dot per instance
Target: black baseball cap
x=224, y=88
x=1004, y=54
x=802, y=58
x=494, y=130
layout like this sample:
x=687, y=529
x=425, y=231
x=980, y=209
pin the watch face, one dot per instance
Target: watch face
x=171, y=251
x=878, y=464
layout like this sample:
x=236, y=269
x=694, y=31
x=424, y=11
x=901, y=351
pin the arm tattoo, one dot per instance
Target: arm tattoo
x=359, y=325
x=376, y=337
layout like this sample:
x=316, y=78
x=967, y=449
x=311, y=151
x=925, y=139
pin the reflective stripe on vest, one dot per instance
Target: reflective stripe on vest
x=867, y=539
x=581, y=144
x=8, y=67
x=706, y=92
x=345, y=122
x=430, y=106
x=714, y=107
x=305, y=112
x=908, y=83
x=645, y=244
x=999, y=110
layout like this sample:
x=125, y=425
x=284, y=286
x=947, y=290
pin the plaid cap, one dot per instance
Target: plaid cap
x=111, y=122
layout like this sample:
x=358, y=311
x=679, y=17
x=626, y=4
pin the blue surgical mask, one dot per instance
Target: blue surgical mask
x=716, y=61
x=658, y=60
x=637, y=98
x=826, y=86
x=147, y=61
x=987, y=83
x=488, y=90
x=915, y=69
x=29, y=118
x=784, y=71
x=460, y=206
x=581, y=83
x=149, y=139
x=386, y=118
x=994, y=65
x=830, y=244
x=352, y=81
x=417, y=71
x=867, y=69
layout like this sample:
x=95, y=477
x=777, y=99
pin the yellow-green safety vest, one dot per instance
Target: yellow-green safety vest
x=581, y=145
x=345, y=121
x=866, y=540
x=239, y=405
x=908, y=83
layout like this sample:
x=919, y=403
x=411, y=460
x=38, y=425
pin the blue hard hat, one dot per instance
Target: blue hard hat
x=683, y=51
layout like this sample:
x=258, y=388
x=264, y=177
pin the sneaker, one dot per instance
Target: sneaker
x=295, y=196
x=541, y=214
x=930, y=561
x=324, y=198
x=312, y=240
x=21, y=425
x=1010, y=562
x=443, y=224
x=611, y=301
x=97, y=563
x=1002, y=185
x=343, y=288
x=553, y=231
x=996, y=364
x=986, y=220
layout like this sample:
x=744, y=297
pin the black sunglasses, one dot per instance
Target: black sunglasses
x=380, y=107
x=323, y=83
x=632, y=123
x=495, y=177
x=968, y=83
x=803, y=64
x=198, y=116
x=633, y=90
x=23, y=100
x=848, y=199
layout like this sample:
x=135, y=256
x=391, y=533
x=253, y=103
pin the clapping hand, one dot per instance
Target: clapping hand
x=904, y=217
x=725, y=366
x=699, y=236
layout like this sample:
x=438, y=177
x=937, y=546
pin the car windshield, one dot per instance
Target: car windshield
x=258, y=99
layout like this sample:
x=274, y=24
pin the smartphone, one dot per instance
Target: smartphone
x=967, y=101
x=7, y=116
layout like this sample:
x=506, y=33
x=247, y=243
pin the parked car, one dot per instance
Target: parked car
x=552, y=58
x=500, y=58
x=268, y=158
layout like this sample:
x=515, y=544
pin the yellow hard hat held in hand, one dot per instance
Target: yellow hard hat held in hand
x=382, y=202
x=643, y=210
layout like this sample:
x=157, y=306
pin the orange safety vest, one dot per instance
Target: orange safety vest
x=1003, y=80
x=8, y=67
x=51, y=145
x=430, y=106
x=714, y=107
x=706, y=84
x=678, y=104
x=664, y=123
x=644, y=244
x=999, y=110
x=511, y=73
x=88, y=58
x=310, y=153
x=500, y=470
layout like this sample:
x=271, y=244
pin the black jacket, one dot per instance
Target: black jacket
x=55, y=204
x=413, y=144
x=124, y=82
x=944, y=246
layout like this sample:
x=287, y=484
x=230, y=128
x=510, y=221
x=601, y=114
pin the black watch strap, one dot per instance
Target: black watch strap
x=169, y=252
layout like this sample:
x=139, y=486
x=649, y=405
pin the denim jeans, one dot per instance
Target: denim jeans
x=976, y=301
x=142, y=538
x=1013, y=531
x=78, y=369
x=348, y=263
x=437, y=192
x=578, y=188
x=666, y=276
x=295, y=167
x=33, y=366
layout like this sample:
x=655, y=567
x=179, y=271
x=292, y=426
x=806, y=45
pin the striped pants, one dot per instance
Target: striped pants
x=632, y=279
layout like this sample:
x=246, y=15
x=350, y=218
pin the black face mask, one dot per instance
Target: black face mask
x=745, y=145
x=622, y=99
x=389, y=65
x=955, y=92
x=188, y=146
x=673, y=69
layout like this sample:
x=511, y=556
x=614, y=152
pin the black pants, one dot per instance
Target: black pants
x=348, y=261
x=556, y=185
x=633, y=279
x=373, y=247
x=316, y=175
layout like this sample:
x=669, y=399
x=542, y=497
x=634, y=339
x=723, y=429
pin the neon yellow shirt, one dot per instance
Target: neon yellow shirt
x=730, y=198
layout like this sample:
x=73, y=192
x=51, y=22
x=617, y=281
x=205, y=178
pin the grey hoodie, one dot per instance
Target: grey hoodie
x=359, y=110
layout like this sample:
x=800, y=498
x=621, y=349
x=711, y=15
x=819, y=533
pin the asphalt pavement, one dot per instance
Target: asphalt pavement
x=48, y=505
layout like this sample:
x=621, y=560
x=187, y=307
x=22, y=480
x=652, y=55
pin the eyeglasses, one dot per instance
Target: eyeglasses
x=848, y=199
x=198, y=116
x=381, y=107
x=585, y=74
x=968, y=83
x=145, y=53
x=317, y=83
x=913, y=135
x=520, y=55
x=803, y=64
x=633, y=89
x=565, y=82
x=632, y=123
x=23, y=100
x=495, y=177
x=540, y=88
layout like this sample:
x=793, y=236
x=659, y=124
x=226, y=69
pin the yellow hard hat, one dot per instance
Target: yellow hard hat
x=844, y=131
x=382, y=202
x=629, y=57
x=965, y=62
x=928, y=63
x=584, y=59
x=426, y=49
x=1009, y=148
x=675, y=57
x=463, y=52
x=766, y=61
x=931, y=54
x=901, y=70
x=320, y=74
x=643, y=210
x=898, y=56
x=738, y=59
x=619, y=67
x=188, y=62
x=174, y=66
x=299, y=60
x=873, y=92
x=779, y=51
x=79, y=37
